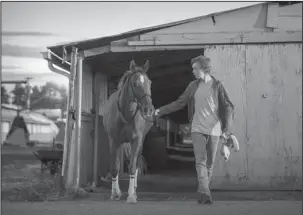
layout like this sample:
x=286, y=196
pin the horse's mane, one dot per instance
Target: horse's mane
x=123, y=79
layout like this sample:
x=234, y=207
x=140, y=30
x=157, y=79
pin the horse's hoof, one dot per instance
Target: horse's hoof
x=131, y=199
x=115, y=196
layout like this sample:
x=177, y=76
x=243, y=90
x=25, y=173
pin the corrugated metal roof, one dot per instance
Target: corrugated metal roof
x=29, y=117
x=101, y=41
x=49, y=112
x=11, y=106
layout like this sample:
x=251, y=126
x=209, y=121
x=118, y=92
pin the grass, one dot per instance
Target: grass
x=24, y=182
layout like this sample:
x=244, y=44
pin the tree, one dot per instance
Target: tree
x=20, y=95
x=4, y=95
x=50, y=96
x=35, y=97
x=63, y=92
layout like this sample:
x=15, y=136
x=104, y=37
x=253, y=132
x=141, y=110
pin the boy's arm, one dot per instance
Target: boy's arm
x=228, y=109
x=180, y=103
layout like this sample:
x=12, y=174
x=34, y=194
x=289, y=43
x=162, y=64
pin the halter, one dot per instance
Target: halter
x=136, y=101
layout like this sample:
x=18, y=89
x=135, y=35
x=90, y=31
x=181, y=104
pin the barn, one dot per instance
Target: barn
x=256, y=52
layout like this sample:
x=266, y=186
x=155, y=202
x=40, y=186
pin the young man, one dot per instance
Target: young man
x=210, y=113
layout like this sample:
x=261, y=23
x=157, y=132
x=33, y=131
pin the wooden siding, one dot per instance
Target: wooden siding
x=103, y=150
x=103, y=95
x=87, y=87
x=290, y=18
x=242, y=20
x=87, y=147
x=264, y=82
x=256, y=24
x=86, y=164
x=274, y=98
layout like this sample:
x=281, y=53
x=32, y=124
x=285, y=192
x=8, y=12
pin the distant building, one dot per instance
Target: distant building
x=41, y=129
x=53, y=114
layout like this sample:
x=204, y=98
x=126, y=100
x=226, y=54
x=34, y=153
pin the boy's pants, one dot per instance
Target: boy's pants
x=205, y=148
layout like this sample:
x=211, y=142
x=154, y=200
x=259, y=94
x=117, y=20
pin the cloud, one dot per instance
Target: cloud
x=24, y=74
x=21, y=51
x=10, y=67
x=27, y=33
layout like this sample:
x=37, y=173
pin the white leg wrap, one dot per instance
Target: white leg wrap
x=131, y=187
x=116, y=193
x=115, y=183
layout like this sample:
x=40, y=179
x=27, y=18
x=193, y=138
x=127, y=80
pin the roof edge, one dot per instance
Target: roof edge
x=152, y=28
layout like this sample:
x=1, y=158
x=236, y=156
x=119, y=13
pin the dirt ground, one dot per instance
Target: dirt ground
x=152, y=208
x=26, y=191
x=22, y=181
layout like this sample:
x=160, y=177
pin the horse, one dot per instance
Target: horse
x=126, y=118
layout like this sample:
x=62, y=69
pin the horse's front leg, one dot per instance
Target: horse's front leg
x=133, y=171
x=115, y=192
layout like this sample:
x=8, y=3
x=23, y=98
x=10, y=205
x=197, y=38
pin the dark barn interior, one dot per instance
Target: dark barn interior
x=169, y=71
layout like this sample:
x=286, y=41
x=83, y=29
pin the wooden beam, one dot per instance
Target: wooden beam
x=78, y=119
x=176, y=40
x=294, y=10
x=59, y=58
x=153, y=48
x=96, y=92
x=69, y=148
x=272, y=15
x=96, y=51
x=107, y=48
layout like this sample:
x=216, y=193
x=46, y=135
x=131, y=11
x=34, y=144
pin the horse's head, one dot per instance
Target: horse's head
x=141, y=87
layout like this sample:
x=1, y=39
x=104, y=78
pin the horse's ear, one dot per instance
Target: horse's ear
x=146, y=66
x=132, y=65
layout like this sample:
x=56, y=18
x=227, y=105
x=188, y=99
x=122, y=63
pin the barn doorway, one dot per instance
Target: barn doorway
x=170, y=72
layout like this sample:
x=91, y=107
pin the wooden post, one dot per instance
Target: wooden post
x=69, y=126
x=96, y=95
x=79, y=118
x=167, y=133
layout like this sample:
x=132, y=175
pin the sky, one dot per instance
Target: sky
x=29, y=27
